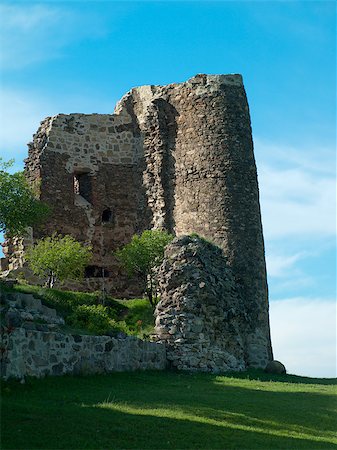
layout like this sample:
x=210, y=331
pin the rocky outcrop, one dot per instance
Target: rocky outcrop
x=203, y=317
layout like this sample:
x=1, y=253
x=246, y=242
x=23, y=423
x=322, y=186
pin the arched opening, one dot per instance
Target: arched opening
x=107, y=216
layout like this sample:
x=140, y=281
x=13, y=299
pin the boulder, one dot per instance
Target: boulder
x=275, y=367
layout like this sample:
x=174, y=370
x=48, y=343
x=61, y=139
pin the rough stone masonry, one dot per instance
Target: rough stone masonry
x=202, y=317
x=176, y=157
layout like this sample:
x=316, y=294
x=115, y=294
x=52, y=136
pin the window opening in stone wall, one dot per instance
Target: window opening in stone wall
x=95, y=272
x=107, y=216
x=82, y=185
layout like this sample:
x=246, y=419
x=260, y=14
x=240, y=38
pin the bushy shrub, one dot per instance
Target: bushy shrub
x=142, y=255
x=19, y=207
x=58, y=257
x=95, y=318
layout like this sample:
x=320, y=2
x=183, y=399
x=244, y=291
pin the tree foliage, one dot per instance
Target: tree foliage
x=19, y=208
x=58, y=257
x=142, y=255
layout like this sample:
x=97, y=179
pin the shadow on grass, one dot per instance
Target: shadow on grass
x=155, y=410
x=260, y=375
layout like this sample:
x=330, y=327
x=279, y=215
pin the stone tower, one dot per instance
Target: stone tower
x=176, y=157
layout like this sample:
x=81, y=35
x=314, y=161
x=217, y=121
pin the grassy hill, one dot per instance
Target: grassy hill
x=168, y=410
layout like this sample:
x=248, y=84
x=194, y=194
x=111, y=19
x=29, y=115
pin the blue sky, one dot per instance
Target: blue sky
x=81, y=56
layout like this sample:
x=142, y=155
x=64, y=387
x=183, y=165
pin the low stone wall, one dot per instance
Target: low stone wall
x=36, y=353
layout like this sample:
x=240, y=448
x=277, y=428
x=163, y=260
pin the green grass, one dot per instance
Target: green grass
x=139, y=310
x=167, y=410
x=124, y=313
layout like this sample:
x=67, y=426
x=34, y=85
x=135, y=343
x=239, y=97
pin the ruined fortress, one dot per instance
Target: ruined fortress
x=176, y=157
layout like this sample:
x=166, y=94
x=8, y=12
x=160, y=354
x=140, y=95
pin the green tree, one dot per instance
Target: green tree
x=142, y=255
x=58, y=257
x=19, y=208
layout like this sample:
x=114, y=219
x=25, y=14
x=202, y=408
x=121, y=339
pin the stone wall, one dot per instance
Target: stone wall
x=202, y=316
x=33, y=344
x=88, y=170
x=36, y=353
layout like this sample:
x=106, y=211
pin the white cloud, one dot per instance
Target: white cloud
x=26, y=32
x=17, y=18
x=316, y=159
x=278, y=266
x=297, y=190
x=298, y=193
x=293, y=282
x=304, y=335
x=20, y=115
x=296, y=202
x=31, y=33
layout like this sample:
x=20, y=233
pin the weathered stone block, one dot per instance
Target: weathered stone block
x=275, y=367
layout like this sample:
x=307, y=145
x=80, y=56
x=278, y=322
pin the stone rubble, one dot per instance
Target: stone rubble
x=26, y=311
x=202, y=316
